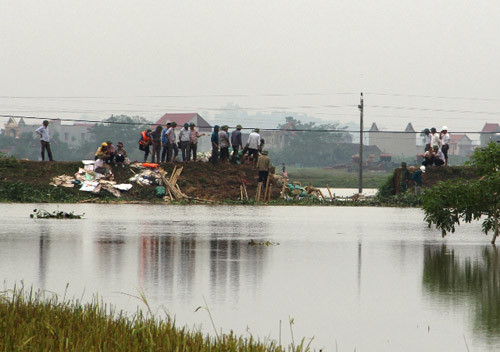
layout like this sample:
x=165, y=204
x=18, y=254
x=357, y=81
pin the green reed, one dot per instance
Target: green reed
x=38, y=321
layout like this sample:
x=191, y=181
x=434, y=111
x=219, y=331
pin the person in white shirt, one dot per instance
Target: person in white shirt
x=184, y=141
x=172, y=144
x=43, y=131
x=433, y=156
x=445, y=142
x=193, y=141
x=253, y=145
x=224, y=144
x=435, y=137
x=427, y=139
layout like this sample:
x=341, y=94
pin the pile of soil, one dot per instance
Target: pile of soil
x=198, y=179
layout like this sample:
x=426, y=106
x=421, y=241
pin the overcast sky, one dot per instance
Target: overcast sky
x=310, y=57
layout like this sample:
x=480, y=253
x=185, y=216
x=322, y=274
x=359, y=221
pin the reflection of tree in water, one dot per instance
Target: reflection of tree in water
x=475, y=280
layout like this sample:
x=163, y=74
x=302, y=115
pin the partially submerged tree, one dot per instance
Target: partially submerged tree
x=449, y=203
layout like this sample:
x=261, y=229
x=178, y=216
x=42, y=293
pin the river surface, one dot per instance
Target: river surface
x=354, y=278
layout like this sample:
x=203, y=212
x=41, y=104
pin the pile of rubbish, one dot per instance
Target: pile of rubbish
x=91, y=181
x=295, y=190
x=148, y=174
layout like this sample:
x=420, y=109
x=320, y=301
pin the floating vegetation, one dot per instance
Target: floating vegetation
x=56, y=214
x=265, y=243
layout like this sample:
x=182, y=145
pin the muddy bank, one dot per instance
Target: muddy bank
x=28, y=181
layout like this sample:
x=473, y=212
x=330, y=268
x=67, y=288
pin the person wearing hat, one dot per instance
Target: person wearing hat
x=103, y=148
x=434, y=137
x=404, y=178
x=164, y=143
x=193, y=141
x=236, y=142
x=224, y=144
x=445, y=143
x=156, y=143
x=120, y=153
x=434, y=157
x=145, y=142
x=427, y=139
x=172, y=150
x=253, y=145
x=43, y=132
x=263, y=166
x=215, y=145
x=184, y=141
x=416, y=179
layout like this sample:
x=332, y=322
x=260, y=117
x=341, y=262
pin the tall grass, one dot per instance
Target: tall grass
x=36, y=321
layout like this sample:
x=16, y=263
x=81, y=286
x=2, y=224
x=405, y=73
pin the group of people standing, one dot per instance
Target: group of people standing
x=221, y=140
x=436, y=147
x=166, y=146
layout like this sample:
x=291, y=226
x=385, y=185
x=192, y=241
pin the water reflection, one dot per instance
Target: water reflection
x=473, y=280
x=43, y=253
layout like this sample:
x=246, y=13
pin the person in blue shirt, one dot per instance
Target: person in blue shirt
x=215, y=145
x=416, y=179
x=164, y=143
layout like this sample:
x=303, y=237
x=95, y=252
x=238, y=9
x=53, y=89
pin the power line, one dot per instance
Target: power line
x=432, y=96
x=432, y=109
x=147, y=123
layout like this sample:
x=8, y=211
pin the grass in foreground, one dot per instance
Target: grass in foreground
x=31, y=321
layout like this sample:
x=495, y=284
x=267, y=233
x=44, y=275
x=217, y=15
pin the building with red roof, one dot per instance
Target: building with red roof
x=182, y=118
x=460, y=144
x=201, y=124
x=489, y=133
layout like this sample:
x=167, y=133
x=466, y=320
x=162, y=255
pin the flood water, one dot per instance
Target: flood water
x=370, y=279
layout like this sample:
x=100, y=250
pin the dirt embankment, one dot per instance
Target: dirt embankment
x=201, y=180
x=434, y=174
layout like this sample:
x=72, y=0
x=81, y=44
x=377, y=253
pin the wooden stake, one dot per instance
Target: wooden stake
x=245, y=190
x=269, y=192
x=285, y=181
x=322, y=195
x=330, y=192
x=266, y=189
x=259, y=188
x=241, y=192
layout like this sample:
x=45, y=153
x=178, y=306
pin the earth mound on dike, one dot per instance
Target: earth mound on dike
x=28, y=181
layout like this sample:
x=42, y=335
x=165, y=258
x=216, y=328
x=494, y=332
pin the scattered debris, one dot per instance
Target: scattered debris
x=44, y=214
x=265, y=243
x=91, y=181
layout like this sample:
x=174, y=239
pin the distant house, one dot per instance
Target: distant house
x=74, y=134
x=181, y=118
x=460, y=144
x=13, y=126
x=489, y=133
x=402, y=143
x=278, y=139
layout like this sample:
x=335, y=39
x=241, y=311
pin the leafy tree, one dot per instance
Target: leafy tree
x=448, y=203
x=312, y=147
x=122, y=128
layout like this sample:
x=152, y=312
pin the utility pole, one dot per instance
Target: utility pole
x=360, y=180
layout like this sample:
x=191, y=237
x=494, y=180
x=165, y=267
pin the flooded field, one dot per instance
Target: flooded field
x=354, y=278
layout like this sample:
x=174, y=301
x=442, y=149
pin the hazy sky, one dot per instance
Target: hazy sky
x=95, y=58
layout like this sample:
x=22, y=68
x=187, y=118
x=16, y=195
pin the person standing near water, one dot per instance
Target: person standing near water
x=215, y=145
x=184, y=137
x=236, y=142
x=263, y=166
x=145, y=142
x=43, y=132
